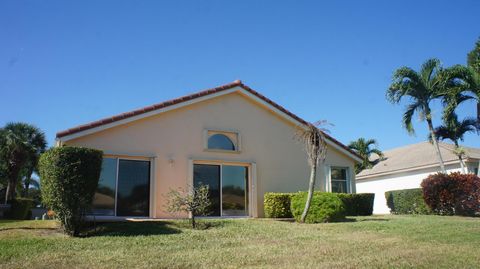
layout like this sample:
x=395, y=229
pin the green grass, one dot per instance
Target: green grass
x=367, y=242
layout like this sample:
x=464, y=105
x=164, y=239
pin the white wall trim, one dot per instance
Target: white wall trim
x=361, y=178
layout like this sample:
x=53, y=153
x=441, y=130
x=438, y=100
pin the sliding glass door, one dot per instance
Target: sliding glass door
x=123, y=188
x=228, y=188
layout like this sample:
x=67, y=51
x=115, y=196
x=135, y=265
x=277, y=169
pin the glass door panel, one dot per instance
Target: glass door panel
x=209, y=175
x=104, y=199
x=234, y=190
x=133, y=190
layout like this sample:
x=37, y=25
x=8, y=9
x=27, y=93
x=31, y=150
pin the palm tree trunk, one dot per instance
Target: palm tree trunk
x=435, y=143
x=311, y=186
x=459, y=155
x=26, y=184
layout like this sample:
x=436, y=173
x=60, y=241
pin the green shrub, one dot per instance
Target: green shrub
x=325, y=207
x=21, y=208
x=69, y=178
x=277, y=205
x=358, y=204
x=408, y=201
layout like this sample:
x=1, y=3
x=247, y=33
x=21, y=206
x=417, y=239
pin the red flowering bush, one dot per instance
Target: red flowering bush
x=453, y=194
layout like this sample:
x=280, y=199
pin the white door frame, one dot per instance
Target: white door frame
x=252, y=179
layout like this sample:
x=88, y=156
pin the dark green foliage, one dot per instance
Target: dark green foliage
x=406, y=202
x=21, y=208
x=277, y=205
x=357, y=204
x=452, y=194
x=325, y=207
x=365, y=148
x=473, y=58
x=20, y=146
x=69, y=178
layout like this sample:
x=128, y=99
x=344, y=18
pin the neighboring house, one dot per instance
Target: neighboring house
x=231, y=138
x=406, y=167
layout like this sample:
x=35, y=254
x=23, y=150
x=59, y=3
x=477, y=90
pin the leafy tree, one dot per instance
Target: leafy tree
x=473, y=57
x=454, y=130
x=20, y=143
x=473, y=61
x=420, y=88
x=363, y=147
x=314, y=141
x=69, y=177
x=195, y=202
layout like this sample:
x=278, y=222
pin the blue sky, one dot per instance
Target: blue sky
x=64, y=63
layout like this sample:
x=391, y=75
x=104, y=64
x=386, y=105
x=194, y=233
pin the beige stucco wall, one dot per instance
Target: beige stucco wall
x=178, y=135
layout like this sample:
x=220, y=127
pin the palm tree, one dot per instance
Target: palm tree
x=420, y=88
x=20, y=142
x=464, y=84
x=363, y=148
x=313, y=139
x=454, y=130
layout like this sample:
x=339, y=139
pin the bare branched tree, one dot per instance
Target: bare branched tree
x=195, y=202
x=313, y=138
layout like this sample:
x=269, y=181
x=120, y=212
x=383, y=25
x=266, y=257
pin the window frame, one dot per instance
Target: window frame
x=251, y=182
x=347, y=179
x=151, y=179
x=207, y=133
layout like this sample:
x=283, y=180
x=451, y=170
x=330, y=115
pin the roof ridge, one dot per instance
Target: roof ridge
x=236, y=83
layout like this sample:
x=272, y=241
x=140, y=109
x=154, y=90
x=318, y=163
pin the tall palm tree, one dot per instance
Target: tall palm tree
x=464, y=84
x=420, y=88
x=454, y=130
x=21, y=142
x=314, y=141
x=363, y=148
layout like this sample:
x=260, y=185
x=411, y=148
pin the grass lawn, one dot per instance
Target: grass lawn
x=367, y=242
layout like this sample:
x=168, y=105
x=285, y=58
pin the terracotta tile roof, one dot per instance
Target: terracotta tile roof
x=186, y=98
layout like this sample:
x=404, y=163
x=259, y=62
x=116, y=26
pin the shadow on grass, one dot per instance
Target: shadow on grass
x=27, y=228
x=131, y=229
x=373, y=219
x=145, y=228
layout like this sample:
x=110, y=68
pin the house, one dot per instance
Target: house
x=406, y=167
x=231, y=138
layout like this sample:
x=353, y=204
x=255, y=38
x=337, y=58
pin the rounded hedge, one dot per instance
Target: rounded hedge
x=325, y=207
x=452, y=194
x=277, y=205
x=69, y=177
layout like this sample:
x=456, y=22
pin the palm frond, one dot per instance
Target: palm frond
x=408, y=115
x=404, y=81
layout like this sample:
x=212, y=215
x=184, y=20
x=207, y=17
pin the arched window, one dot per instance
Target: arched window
x=220, y=141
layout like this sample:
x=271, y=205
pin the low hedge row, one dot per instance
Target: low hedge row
x=325, y=207
x=278, y=205
x=358, y=204
x=21, y=208
x=408, y=201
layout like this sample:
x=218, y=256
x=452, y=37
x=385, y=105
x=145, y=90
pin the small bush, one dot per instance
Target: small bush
x=408, y=201
x=21, y=208
x=325, y=207
x=69, y=178
x=357, y=204
x=277, y=205
x=453, y=194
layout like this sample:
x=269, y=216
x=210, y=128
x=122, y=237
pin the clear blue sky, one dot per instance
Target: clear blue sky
x=64, y=63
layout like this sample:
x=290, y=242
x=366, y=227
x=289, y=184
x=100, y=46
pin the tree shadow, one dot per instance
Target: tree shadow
x=373, y=219
x=131, y=228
